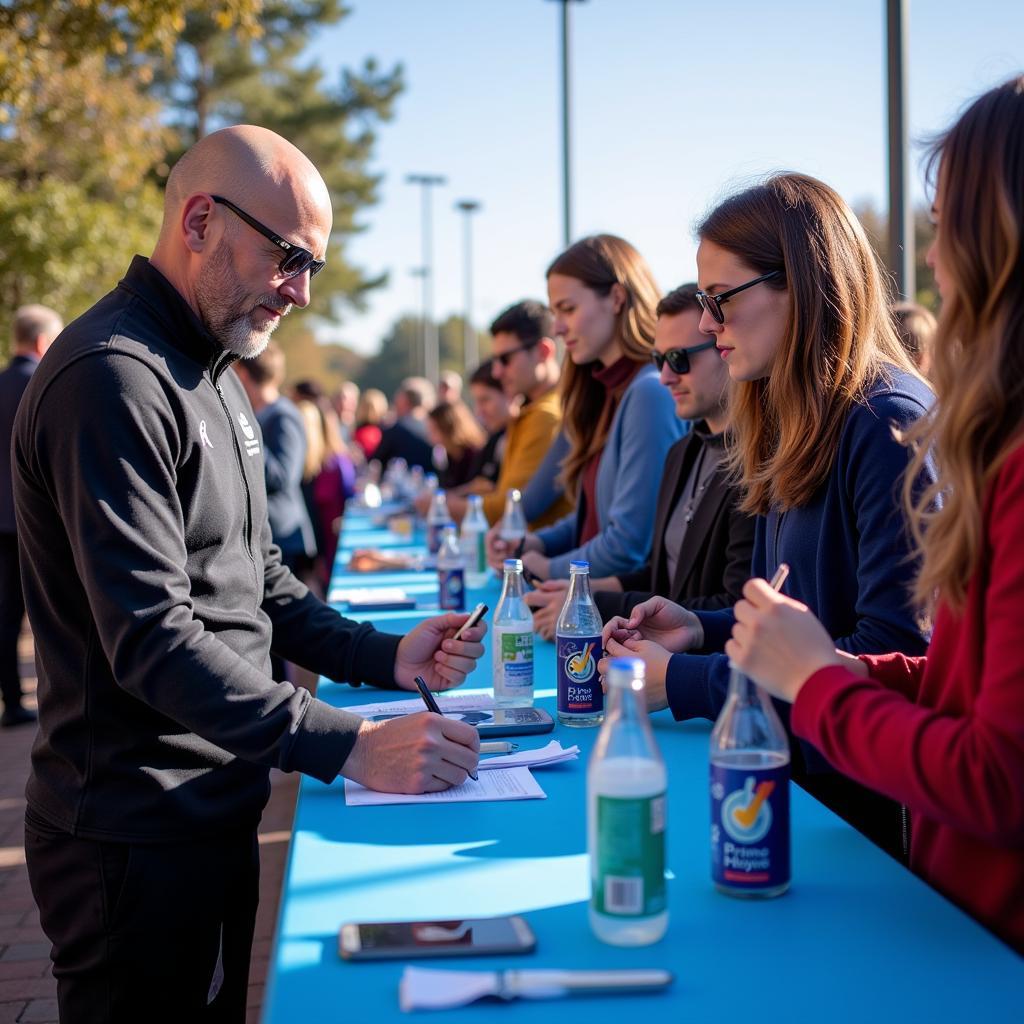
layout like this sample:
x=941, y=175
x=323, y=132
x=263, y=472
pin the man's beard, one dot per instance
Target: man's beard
x=226, y=312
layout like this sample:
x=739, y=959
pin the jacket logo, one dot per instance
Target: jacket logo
x=252, y=445
x=203, y=435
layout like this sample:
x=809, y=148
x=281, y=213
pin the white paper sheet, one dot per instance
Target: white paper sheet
x=461, y=702
x=500, y=784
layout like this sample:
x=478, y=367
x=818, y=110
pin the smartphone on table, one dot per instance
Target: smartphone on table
x=405, y=940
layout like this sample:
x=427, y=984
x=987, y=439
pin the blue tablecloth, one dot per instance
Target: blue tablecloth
x=858, y=938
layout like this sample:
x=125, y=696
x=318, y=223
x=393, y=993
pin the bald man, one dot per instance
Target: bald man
x=35, y=328
x=155, y=594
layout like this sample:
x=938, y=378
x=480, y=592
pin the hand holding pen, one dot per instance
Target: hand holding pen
x=432, y=706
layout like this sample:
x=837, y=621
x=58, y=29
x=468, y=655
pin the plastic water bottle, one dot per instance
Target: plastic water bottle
x=450, y=572
x=437, y=520
x=513, y=523
x=578, y=650
x=512, y=653
x=626, y=787
x=474, y=543
x=749, y=794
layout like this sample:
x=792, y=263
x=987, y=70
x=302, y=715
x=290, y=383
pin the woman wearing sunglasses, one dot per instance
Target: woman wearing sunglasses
x=945, y=733
x=793, y=294
x=619, y=421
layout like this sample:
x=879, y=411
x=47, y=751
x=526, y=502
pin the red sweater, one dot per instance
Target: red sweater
x=944, y=734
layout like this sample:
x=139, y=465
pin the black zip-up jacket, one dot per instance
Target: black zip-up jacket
x=153, y=587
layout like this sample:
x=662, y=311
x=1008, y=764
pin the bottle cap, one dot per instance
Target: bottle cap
x=513, y=565
x=515, y=494
x=626, y=672
x=582, y=564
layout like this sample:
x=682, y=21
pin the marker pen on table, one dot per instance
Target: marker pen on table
x=428, y=699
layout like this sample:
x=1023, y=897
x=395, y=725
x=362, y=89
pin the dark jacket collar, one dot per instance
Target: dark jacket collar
x=183, y=329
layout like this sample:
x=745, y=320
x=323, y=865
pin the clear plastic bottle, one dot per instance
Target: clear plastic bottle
x=512, y=639
x=451, y=575
x=578, y=650
x=626, y=787
x=437, y=520
x=474, y=542
x=749, y=794
x=513, y=523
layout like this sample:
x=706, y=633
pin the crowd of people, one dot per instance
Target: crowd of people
x=780, y=409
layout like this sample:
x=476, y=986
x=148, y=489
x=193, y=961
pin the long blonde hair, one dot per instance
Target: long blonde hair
x=600, y=262
x=837, y=342
x=978, y=368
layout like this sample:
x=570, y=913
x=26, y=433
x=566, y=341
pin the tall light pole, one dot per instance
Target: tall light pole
x=901, y=209
x=431, y=355
x=416, y=358
x=566, y=111
x=470, y=351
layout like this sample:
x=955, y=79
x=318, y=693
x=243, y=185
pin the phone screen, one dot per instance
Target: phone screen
x=464, y=937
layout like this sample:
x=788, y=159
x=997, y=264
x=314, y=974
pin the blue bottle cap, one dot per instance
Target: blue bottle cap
x=582, y=564
x=634, y=666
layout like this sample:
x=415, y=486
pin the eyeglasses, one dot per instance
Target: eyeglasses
x=506, y=357
x=678, y=359
x=713, y=303
x=295, y=260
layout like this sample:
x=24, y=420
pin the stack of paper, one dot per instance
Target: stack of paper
x=553, y=753
x=506, y=784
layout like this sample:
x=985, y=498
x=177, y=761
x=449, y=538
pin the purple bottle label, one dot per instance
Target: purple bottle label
x=750, y=827
x=452, y=590
x=579, y=687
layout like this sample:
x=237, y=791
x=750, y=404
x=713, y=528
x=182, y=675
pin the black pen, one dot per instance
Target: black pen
x=428, y=699
x=531, y=577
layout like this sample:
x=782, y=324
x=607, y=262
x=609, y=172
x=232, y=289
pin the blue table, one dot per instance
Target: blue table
x=857, y=938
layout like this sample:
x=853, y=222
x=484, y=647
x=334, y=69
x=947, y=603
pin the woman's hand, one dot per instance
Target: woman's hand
x=779, y=643
x=655, y=659
x=658, y=619
x=546, y=602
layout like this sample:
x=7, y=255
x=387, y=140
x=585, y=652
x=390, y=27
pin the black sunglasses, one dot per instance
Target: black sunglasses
x=295, y=260
x=678, y=359
x=506, y=357
x=713, y=303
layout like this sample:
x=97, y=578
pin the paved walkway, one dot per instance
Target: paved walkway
x=27, y=990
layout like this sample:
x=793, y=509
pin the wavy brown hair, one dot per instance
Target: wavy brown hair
x=599, y=262
x=837, y=341
x=458, y=428
x=978, y=369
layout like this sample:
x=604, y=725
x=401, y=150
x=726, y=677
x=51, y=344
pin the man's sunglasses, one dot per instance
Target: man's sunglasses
x=713, y=303
x=295, y=260
x=678, y=359
x=506, y=357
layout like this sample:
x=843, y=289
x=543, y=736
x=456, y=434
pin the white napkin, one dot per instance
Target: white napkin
x=553, y=753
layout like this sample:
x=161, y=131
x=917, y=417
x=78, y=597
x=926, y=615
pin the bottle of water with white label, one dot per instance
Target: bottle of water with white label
x=578, y=650
x=512, y=637
x=474, y=543
x=437, y=520
x=512, y=529
x=626, y=787
x=749, y=794
x=451, y=579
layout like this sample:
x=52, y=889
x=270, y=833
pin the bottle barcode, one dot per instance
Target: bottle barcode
x=623, y=895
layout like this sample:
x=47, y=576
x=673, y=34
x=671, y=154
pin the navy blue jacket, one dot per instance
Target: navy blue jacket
x=848, y=551
x=13, y=382
x=284, y=459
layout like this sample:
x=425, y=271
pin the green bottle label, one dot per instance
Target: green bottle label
x=629, y=877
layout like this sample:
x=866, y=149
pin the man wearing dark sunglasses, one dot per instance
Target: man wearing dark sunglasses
x=155, y=594
x=702, y=543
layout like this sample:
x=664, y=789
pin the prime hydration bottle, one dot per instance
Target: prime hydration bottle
x=451, y=575
x=512, y=640
x=626, y=786
x=578, y=650
x=749, y=794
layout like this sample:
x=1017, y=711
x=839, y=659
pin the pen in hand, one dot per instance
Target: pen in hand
x=428, y=699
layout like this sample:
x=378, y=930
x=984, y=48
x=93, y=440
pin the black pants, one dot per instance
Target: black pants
x=12, y=611
x=154, y=932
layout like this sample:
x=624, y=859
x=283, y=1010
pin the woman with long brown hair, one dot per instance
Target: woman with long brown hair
x=945, y=733
x=451, y=426
x=794, y=296
x=620, y=422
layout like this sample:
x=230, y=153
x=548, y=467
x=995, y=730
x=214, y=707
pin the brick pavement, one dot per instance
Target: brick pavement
x=27, y=989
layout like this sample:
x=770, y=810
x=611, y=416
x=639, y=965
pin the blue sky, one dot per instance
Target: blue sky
x=675, y=104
